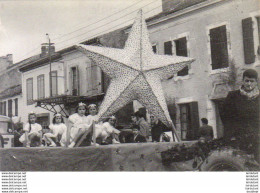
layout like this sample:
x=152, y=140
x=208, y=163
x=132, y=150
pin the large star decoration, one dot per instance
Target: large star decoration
x=135, y=73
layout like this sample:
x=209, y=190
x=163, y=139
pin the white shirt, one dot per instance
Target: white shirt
x=92, y=118
x=35, y=128
x=58, y=129
x=79, y=121
x=109, y=128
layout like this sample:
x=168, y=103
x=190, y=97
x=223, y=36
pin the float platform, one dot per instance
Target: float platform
x=117, y=157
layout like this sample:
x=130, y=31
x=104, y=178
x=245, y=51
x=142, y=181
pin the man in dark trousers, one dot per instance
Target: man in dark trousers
x=241, y=114
x=205, y=131
x=157, y=129
x=137, y=138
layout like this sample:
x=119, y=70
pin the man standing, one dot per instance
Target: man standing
x=205, y=131
x=157, y=129
x=144, y=127
x=241, y=113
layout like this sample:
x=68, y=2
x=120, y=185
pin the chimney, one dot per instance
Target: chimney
x=10, y=58
x=45, y=49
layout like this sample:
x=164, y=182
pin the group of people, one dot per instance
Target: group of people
x=62, y=134
x=240, y=117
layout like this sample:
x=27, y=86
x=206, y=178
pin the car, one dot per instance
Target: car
x=6, y=132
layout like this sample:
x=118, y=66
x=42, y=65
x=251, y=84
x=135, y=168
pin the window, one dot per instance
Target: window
x=10, y=108
x=218, y=47
x=54, y=83
x=94, y=79
x=189, y=120
x=40, y=86
x=154, y=48
x=251, y=38
x=16, y=107
x=29, y=91
x=181, y=50
x=75, y=81
x=1, y=108
x=168, y=48
x=4, y=108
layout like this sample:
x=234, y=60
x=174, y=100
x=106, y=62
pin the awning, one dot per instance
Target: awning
x=60, y=104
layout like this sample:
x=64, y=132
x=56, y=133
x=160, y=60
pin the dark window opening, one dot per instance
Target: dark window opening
x=219, y=47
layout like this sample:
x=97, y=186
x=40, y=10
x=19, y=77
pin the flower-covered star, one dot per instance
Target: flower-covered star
x=135, y=73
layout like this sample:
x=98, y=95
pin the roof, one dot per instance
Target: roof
x=12, y=91
x=38, y=60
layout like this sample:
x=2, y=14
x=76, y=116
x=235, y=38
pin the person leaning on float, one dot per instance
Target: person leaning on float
x=240, y=115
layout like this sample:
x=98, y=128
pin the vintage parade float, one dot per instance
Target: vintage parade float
x=135, y=73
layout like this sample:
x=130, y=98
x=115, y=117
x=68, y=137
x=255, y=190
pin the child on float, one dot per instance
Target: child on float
x=33, y=132
x=102, y=130
x=93, y=117
x=110, y=130
x=58, y=132
x=78, y=124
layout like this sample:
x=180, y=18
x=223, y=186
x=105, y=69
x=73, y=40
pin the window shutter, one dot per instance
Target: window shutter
x=4, y=109
x=181, y=50
x=1, y=108
x=248, y=40
x=194, y=116
x=16, y=107
x=218, y=45
x=168, y=48
x=10, y=108
x=77, y=80
x=94, y=78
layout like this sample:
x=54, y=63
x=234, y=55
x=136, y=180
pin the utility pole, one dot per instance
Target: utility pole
x=49, y=51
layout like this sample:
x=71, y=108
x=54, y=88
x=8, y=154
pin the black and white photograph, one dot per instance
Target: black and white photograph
x=139, y=86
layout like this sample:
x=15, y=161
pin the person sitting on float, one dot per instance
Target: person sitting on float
x=78, y=124
x=110, y=130
x=33, y=132
x=58, y=132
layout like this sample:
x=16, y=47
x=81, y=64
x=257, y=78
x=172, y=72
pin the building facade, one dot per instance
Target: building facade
x=10, y=88
x=223, y=37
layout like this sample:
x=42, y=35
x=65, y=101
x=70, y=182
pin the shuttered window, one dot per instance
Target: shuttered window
x=10, y=108
x=75, y=80
x=248, y=40
x=40, y=86
x=189, y=120
x=96, y=80
x=1, y=108
x=16, y=107
x=54, y=83
x=219, y=48
x=4, y=108
x=181, y=50
x=168, y=48
x=29, y=91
